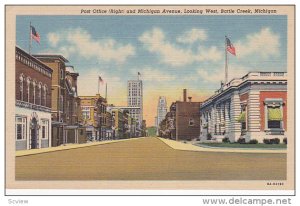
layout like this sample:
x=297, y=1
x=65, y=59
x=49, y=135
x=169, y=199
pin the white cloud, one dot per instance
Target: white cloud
x=192, y=36
x=264, y=43
x=152, y=74
x=172, y=54
x=80, y=42
x=53, y=39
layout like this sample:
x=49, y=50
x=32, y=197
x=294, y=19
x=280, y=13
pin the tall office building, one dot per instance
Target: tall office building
x=161, y=110
x=135, y=99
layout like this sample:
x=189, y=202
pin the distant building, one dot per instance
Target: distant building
x=33, y=102
x=135, y=99
x=94, y=116
x=133, y=124
x=251, y=107
x=183, y=120
x=161, y=111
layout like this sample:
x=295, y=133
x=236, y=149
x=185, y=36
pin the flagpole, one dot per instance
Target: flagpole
x=30, y=39
x=106, y=91
x=98, y=85
x=226, y=61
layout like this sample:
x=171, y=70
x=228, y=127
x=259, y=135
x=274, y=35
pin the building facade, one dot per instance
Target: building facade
x=58, y=87
x=251, y=107
x=33, y=102
x=135, y=99
x=94, y=116
x=183, y=120
x=161, y=111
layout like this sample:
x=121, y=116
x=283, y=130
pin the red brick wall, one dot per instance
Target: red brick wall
x=185, y=111
x=272, y=94
x=33, y=74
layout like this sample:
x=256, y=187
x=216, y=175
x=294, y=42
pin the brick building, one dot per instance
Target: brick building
x=58, y=87
x=33, y=102
x=93, y=110
x=251, y=107
x=183, y=120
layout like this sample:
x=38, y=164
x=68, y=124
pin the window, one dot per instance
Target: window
x=21, y=80
x=274, y=113
x=45, y=128
x=274, y=117
x=33, y=92
x=191, y=122
x=61, y=103
x=45, y=95
x=61, y=74
x=28, y=89
x=86, y=113
x=40, y=93
x=20, y=128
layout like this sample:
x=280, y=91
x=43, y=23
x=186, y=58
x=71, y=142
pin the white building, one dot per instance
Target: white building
x=251, y=107
x=161, y=110
x=135, y=99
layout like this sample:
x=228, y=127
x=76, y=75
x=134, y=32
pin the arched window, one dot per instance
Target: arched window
x=28, y=81
x=34, y=84
x=21, y=89
x=45, y=95
x=40, y=93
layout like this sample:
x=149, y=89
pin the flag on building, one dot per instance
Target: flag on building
x=230, y=48
x=101, y=80
x=34, y=34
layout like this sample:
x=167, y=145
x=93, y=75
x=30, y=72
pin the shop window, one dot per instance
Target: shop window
x=20, y=128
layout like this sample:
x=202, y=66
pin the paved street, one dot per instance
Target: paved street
x=148, y=159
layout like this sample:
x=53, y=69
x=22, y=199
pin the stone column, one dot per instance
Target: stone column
x=235, y=111
x=227, y=120
x=253, y=120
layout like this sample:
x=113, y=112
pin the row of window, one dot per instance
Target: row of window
x=32, y=91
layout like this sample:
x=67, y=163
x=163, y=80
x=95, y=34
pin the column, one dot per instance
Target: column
x=235, y=110
x=227, y=119
x=253, y=106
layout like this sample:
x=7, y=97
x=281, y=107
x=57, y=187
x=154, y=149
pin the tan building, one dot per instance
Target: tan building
x=64, y=101
x=93, y=111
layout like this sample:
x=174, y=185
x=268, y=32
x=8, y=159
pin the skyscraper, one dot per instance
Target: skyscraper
x=161, y=110
x=135, y=99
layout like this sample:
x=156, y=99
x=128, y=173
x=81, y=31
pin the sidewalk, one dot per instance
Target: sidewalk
x=190, y=147
x=67, y=147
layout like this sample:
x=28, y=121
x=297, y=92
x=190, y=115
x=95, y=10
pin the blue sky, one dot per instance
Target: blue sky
x=171, y=52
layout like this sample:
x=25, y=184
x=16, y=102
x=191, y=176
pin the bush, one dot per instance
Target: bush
x=197, y=139
x=276, y=141
x=225, y=140
x=189, y=139
x=267, y=141
x=209, y=136
x=285, y=140
x=241, y=140
x=253, y=141
x=271, y=141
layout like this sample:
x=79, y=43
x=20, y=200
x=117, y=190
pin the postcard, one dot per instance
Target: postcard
x=178, y=97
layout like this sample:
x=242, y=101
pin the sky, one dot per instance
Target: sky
x=170, y=52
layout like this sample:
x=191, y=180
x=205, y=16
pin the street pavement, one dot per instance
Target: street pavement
x=149, y=158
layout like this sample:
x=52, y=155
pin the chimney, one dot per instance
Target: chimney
x=184, y=95
x=190, y=99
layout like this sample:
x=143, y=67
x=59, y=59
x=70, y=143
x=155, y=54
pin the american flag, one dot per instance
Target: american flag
x=101, y=80
x=230, y=48
x=35, y=35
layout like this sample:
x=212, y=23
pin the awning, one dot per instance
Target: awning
x=242, y=117
x=274, y=114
